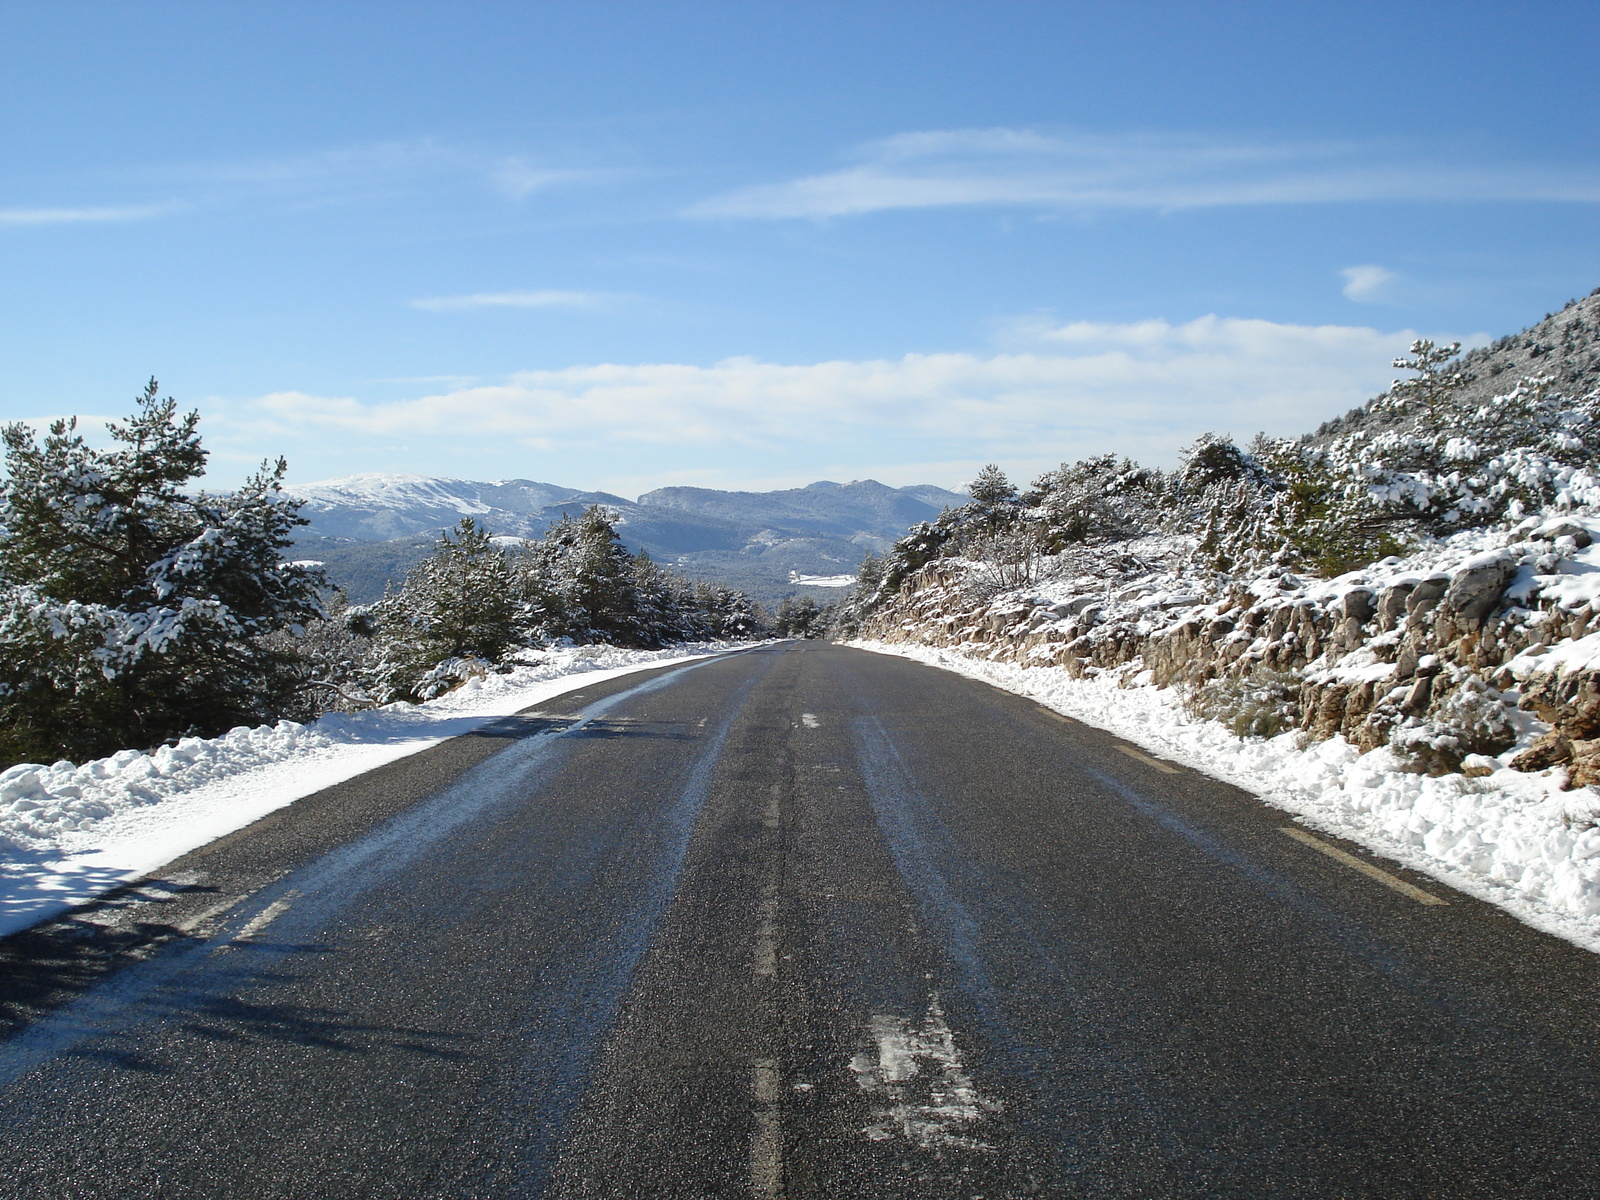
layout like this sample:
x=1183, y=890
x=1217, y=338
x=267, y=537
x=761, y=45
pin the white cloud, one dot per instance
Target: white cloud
x=1143, y=389
x=536, y=299
x=74, y=216
x=1365, y=282
x=943, y=168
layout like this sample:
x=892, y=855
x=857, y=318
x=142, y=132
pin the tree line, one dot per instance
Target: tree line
x=134, y=611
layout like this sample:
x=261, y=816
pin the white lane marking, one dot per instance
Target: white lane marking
x=764, y=1080
x=809, y=720
x=190, y=924
x=262, y=919
x=766, y=1144
x=1147, y=760
x=766, y=949
x=1366, y=868
x=924, y=1107
x=766, y=945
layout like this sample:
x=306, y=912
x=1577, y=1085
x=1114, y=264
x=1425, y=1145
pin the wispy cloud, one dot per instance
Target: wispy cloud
x=86, y=215
x=539, y=299
x=1144, y=388
x=315, y=178
x=1366, y=282
x=520, y=179
x=967, y=167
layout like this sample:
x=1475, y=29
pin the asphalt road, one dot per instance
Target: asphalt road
x=803, y=922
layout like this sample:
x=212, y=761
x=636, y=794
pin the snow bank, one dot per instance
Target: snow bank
x=1512, y=838
x=69, y=832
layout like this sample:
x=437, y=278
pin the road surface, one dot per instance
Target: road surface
x=803, y=921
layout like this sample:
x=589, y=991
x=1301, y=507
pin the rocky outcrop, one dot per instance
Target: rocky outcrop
x=1439, y=663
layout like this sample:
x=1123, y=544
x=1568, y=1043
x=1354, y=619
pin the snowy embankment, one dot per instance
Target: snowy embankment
x=1513, y=838
x=71, y=832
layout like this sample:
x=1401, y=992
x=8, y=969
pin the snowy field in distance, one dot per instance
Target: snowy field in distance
x=1512, y=838
x=827, y=581
x=69, y=833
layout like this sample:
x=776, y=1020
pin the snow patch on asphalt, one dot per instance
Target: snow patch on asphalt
x=926, y=1107
x=70, y=832
x=1515, y=839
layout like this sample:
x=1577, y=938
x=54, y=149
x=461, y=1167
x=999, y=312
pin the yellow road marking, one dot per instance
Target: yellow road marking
x=1366, y=868
x=1147, y=760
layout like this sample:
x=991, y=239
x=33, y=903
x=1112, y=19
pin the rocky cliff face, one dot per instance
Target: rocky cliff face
x=1465, y=653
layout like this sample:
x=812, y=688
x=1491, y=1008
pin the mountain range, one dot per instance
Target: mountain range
x=370, y=528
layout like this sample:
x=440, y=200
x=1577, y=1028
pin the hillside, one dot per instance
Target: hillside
x=371, y=528
x=1391, y=629
x=1565, y=345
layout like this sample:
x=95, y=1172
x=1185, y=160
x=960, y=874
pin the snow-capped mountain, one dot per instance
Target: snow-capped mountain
x=381, y=506
x=371, y=527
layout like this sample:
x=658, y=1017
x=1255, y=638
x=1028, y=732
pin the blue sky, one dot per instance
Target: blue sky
x=754, y=244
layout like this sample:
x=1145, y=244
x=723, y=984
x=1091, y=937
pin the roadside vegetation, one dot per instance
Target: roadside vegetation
x=1415, y=468
x=1402, y=579
x=134, y=611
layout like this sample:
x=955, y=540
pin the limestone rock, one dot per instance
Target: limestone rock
x=1478, y=584
x=1548, y=751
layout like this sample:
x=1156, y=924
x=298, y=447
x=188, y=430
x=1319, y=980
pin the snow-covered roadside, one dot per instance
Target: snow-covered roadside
x=1512, y=838
x=69, y=833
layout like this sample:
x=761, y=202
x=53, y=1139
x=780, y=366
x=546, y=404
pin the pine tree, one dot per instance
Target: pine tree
x=459, y=603
x=1097, y=499
x=990, y=487
x=1439, y=375
x=131, y=611
x=726, y=614
x=802, y=617
x=592, y=577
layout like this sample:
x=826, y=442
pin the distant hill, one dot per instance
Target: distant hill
x=371, y=528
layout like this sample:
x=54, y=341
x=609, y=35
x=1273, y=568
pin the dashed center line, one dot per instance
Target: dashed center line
x=1366, y=868
x=766, y=948
x=766, y=1144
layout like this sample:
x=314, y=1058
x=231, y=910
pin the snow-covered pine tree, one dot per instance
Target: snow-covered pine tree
x=1439, y=375
x=1095, y=500
x=130, y=610
x=458, y=605
x=725, y=612
x=1453, y=464
x=591, y=575
x=990, y=487
x=803, y=617
x=1212, y=459
x=666, y=608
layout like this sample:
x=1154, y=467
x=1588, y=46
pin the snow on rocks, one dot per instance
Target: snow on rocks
x=69, y=832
